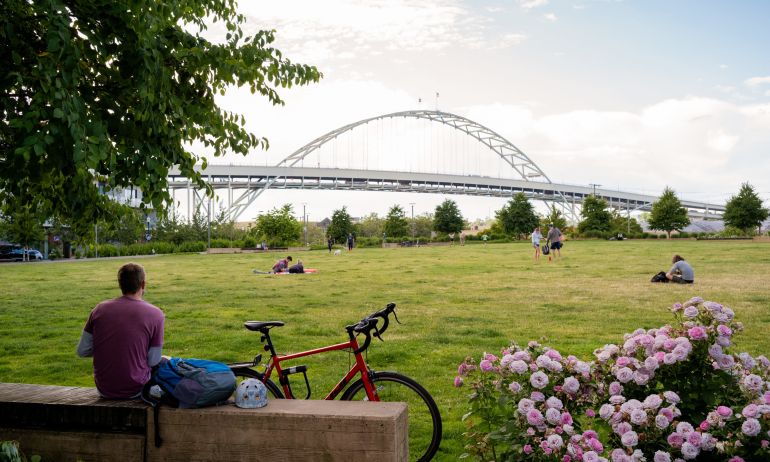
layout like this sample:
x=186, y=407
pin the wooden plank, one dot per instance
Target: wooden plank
x=81, y=446
x=287, y=430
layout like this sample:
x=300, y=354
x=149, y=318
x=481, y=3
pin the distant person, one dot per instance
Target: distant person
x=282, y=264
x=330, y=243
x=124, y=336
x=554, y=239
x=484, y=238
x=536, y=236
x=681, y=272
x=298, y=268
x=351, y=241
x=452, y=237
x=462, y=238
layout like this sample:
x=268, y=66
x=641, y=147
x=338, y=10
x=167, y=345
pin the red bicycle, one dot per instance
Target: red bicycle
x=424, y=416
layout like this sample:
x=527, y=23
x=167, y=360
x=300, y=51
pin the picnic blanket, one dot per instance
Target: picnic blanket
x=307, y=270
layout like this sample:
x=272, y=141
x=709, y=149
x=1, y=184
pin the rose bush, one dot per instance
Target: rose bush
x=675, y=393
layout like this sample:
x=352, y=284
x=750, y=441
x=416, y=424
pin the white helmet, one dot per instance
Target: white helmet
x=250, y=394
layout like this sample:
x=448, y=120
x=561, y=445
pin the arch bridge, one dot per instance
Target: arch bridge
x=244, y=184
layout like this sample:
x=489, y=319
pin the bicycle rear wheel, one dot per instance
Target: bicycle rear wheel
x=424, y=416
x=242, y=373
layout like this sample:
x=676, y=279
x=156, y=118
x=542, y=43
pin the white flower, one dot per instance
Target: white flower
x=555, y=441
x=689, y=451
x=554, y=402
x=661, y=421
x=624, y=374
x=538, y=380
x=629, y=439
x=638, y=417
x=661, y=456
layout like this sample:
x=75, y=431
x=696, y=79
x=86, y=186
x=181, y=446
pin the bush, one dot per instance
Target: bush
x=221, y=243
x=249, y=242
x=663, y=394
x=191, y=247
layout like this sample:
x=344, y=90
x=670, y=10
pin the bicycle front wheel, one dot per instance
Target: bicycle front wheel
x=243, y=373
x=424, y=416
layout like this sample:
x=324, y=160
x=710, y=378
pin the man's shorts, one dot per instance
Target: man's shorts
x=556, y=245
x=679, y=280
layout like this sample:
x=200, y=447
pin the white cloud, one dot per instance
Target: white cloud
x=509, y=40
x=529, y=4
x=756, y=81
x=723, y=66
x=720, y=141
x=550, y=17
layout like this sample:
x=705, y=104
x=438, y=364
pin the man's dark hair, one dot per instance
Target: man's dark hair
x=677, y=258
x=130, y=278
x=288, y=258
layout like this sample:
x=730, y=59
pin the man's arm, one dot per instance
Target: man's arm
x=86, y=345
x=154, y=355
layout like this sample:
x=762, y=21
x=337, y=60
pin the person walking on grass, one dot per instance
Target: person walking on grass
x=536, y=236
x=351, y=240
x=125, y=337
x=554, y=239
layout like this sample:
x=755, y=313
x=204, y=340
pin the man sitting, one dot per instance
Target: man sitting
x=124, y=336
x=281, y=265
x=681, y=272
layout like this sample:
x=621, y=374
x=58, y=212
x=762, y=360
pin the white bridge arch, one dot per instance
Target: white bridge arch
x=530, y=178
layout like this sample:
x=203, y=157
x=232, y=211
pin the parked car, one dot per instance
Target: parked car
x=18, y=255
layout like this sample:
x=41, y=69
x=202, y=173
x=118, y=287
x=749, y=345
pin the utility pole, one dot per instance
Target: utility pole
x=304, y=221
x=595, y=185
x=413, y=228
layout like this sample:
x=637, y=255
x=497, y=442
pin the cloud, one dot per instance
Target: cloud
x=757, y=81
x=509, y=40
x=529, y=4
x=550, y=17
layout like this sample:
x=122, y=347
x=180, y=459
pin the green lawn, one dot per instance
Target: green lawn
x=453, y=302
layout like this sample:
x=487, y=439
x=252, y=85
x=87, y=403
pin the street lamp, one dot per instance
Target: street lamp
x=595, y=185
x=413, y=228
x=304, y=221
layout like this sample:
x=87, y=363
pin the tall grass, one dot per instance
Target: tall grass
x=453, y=301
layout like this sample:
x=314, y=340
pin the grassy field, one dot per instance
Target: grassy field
x=453, y=302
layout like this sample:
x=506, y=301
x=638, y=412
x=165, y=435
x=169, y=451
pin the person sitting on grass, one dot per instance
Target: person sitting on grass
x=298, y=268
x=681, y=272
x=281, y=265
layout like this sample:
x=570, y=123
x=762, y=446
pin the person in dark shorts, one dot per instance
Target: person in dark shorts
x=351, y=240
x=330, y=243
x=554, y=239
x=681, y=272
x=298, y=268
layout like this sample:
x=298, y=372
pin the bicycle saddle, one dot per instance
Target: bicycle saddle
x=261, y=326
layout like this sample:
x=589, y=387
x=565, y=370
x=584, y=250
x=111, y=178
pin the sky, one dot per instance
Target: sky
x=633, y=95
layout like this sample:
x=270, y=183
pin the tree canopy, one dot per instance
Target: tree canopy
x=596, y=218
x=518, y=217
x=278, y=227
x=554, y=217
x=395, y=222
x=97, y=95
x=745, y=210
x=447, y=217
x=668, y=214
x=340, y=226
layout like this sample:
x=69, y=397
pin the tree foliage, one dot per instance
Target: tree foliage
x=447, y=218
x=595, y=215
x=620, y=224
x=422, y=225
x=554, y=217
x=278, y=227
x=396, y=224
x=668, y=214
x=370, y=226
x=517, y=217
x=22, y=225
x=745, y=210
x=97, y=95
x=340, y=226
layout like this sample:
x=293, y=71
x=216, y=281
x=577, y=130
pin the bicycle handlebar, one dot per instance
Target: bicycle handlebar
x=369, y=323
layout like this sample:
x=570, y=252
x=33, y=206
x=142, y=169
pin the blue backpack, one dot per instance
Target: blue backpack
x=188, y=383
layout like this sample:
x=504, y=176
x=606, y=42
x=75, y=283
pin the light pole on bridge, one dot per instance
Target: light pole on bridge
x=595, y=185
x=413, y=228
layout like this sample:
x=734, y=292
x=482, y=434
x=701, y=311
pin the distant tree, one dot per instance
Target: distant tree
x=371, y=226
x=223, y=227
x=96, y=95
x=745, y=210
x=423, y=225
x=447, y=218
x=396, y=224
x=22, y=224
x=278, y=227
x=595, y=215
x=517, y=217
x=554, y=217
x=128, y=228
x=668, y=214
x=340, y=226
x=623, y=224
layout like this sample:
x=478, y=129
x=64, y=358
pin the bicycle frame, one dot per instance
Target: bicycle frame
x=359, y=367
